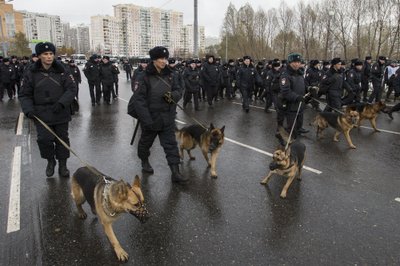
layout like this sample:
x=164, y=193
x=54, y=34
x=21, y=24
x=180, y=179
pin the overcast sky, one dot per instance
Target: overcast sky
x=211, y=12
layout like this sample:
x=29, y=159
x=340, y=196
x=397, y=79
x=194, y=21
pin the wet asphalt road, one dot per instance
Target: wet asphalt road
x=345, y=215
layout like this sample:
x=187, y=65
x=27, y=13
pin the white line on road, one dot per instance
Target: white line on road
x=20, y=124
x=14, y=206
x=257, y=150
x=397, y=199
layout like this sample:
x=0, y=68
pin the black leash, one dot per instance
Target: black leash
x=135, y=131
x=334, y=109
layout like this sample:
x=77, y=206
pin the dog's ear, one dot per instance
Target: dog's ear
x=222, y=129
x=136, y=182
x=211, y=126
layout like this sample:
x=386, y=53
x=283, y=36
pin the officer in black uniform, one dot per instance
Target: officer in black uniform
x=138, y=72
x=128, y=69
x=92, y=73
x=47, y=92
x=191, y=77
x=333, y=81
x=246, y=78
x=155, y=102
x=7, y=75
x=366, y=77
x=76, y=73
x=312, y=80
x=272, y=88
x=353, y=80
x=210, y=74
x=107, y=72
x=230, y=89
x=292, y=93
x=377, y=75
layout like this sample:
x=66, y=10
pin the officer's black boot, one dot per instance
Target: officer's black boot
x=51, y=164
x=62, y=168
x=146, y=167
x=176, y=176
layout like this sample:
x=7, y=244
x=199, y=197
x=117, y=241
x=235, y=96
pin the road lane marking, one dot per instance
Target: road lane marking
x=397, y=199
x=258, y=150
x=258, y=107
x=20, y=124
x=14, y=206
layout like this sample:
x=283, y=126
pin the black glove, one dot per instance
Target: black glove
x=168, y=97
x=57, y=107
x=300, y=98
x=30, y=115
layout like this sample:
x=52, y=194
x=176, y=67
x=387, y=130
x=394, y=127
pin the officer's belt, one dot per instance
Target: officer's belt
x=157, y=110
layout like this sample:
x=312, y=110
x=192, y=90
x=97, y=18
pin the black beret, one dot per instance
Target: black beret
x=6, y=59
x=13, y=56
x=45, y=47
x=276, y=60
x=260, y=63
x=270, y=62
x=325, y=63
x=231, y=61
x=381, y=57
x=143, y=61
x=106, y=57
x=358, y=63
x=71, y=61
x=25, y=58
x=246, y=57
x=98, y=56
x=158, y=52
x=368, y=57
x=198, y=61
x=294, y=57
x=314, y=62
x=240, y=60
x=189, y=62
x=336, y=60
x=354, y=60
x=284, y=61
x=171, y=61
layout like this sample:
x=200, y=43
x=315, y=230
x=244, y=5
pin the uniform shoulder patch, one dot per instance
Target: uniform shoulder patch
x=283, y=81
x=72, y=77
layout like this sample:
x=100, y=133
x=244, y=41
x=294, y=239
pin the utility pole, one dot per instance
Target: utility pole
x=195, y=32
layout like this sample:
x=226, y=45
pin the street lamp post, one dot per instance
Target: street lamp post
x=226, y=46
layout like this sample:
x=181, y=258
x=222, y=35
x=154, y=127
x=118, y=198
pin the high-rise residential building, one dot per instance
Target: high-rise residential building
x=11, y=22
x=43, y=27
x=187, y=40
x=77, y=37
x=145, y=27
x=105, y=35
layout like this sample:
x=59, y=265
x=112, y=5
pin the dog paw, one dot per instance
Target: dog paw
x=121, y=254
x=82, y=215
x=214, y=175
x=283, y=195
x=352, y=146
x=335, y=140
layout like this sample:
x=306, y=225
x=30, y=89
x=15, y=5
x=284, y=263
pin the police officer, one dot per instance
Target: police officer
x=92, y=73
x=312, y=80
x=107, y=72
x=191, y=77
x=272, y=88
x=247, y=77
x=230, y=89
x=47, y=92
x=292, y=93
x=7, y=75
x=353, y=79
x=333, y=81
x=16, y=79
x=128, y=69
x=154, y=100
x=76, y=73
x=377, y=75
x=366, y=76
x=210, y=74
x=137, y=73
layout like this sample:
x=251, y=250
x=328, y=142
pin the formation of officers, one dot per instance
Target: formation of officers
x=285, y=83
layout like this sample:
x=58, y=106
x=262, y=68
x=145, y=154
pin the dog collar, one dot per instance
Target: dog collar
x=106, y=203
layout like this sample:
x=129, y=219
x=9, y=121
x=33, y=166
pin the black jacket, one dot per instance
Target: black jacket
x=313, y=77
x=353, y=79
x=107, y=72
x=153, y=111
x=74, y=70
x=192, y=79
x=7, y=73
x=377, y=71
x=333, y=80
x=292, y=87
x=127, y=67
x=92, y=71
x=271, y=81
x=42, y=89
x=210, y=74
x=247, y=77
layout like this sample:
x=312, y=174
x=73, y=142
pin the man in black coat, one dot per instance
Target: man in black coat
x=377, y=75
x=47, y=92
x=353, y=80
x=76, y=73
x=155, y=101
x=211, y=78
x=107, y=73
x=292, y=93
x=137, y=73
x=191, y=76
x=312, y=80
x=247, y=78
x=7, y=75
x=128, y=69
x=271, y=91
x=333, y=81
x=366, y=76
x=92, y=73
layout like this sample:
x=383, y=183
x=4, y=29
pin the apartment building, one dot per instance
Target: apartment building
x=105, y=35
x=187, y=40
x=11, y=22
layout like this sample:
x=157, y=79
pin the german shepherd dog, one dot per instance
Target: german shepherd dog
x=368, y=111
x=340, y=122
x=209, y=140
x=287, y=163
x=108, y=198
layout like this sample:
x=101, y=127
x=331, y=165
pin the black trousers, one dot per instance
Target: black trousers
x=290, y=117
x=95, y=91
x=334, y=101
x=6, y=86
x=107, y=89
x=364, y=87
x=280, y=113
x=167, y=140
x=188, y=96
x=49, y=146
x=246, y=97
x=128, y=75
x=376, y=93
x=212, y=92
